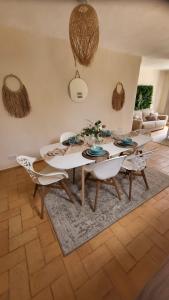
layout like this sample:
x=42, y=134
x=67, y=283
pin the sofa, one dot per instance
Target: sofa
x=149, y=120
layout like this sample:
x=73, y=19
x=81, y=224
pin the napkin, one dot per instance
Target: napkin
x=56, y=151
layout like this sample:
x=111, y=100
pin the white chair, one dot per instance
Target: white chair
x=105, y=172
x=135, y=165
x=46, y=177
x=65, y=136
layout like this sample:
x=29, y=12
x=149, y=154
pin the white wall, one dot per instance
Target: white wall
x=156, y=78
x=46, y=66
x=164, y=103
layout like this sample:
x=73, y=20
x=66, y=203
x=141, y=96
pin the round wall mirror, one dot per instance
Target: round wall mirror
x=78, y=89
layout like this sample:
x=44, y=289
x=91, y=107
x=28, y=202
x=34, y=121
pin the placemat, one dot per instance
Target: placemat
x=97, y=158
x=134, y=145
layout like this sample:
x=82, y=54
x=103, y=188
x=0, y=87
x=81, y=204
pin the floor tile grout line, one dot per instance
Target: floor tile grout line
x=26, y=261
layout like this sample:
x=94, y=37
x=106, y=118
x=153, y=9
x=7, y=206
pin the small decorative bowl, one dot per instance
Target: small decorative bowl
x=96, y=149
x=106, y=133
x=127, y=141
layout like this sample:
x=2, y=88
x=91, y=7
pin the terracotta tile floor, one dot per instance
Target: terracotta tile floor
x=114, y=265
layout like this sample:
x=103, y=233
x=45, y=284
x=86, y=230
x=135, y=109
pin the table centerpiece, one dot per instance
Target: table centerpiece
x=95, y=132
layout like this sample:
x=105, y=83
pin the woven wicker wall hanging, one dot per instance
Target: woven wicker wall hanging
x=84, y=33
x=16, y=102
x=118, y=97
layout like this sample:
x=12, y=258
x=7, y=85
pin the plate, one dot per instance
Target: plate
x=124, y=145
x=101, y=153
x=127, y=142
x=67, y=143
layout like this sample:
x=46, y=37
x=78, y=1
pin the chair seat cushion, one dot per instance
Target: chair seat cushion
x=136, y=163
x=46, y=180
x=128, y=165
x=53, y=177
x=50, y=170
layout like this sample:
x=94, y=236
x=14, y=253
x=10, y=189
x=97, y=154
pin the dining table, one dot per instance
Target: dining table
x=72, y=156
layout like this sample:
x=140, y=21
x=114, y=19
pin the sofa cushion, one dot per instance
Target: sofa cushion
x=151, y=118
x=163, y=117
x=146, y=112
x=155, y=114
x=160, y=123
x=138, y=115
x=149, y=125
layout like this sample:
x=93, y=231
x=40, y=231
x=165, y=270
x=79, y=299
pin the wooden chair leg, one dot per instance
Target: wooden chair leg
x=42, y=208
x=97, y=193
x=42, y=193
x=74, y=175
x=145, y=179
x=116, y=187
x=130, y=184
x=66, y=189
x=35, y=190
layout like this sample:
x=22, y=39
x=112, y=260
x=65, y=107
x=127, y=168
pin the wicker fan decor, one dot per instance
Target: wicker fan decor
x=84, y=33
x=118, y=97
x=16, y=102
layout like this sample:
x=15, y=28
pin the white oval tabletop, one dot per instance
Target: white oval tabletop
x=68, y=161
x=76, y=159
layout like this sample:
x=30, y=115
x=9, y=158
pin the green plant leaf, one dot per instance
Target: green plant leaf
x=143, y=97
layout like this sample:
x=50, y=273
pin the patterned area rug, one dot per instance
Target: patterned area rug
x=75, y=225
x=160, y=137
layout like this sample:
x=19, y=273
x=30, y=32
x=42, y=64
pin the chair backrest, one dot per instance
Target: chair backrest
x=108, y=168
x=66, y=135
x=139, y=161
x=27, y=163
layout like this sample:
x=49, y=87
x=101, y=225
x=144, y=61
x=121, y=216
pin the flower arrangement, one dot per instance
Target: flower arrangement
x=94, y=130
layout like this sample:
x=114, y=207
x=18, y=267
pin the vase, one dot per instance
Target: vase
x=99, y=139
x=89, y=139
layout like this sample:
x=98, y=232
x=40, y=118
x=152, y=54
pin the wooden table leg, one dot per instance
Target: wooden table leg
x=130, y=183
x=97, y=194
x=82, y=185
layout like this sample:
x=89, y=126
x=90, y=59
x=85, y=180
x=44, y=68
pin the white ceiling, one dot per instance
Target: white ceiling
x=155, y=63
x=139, y=27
